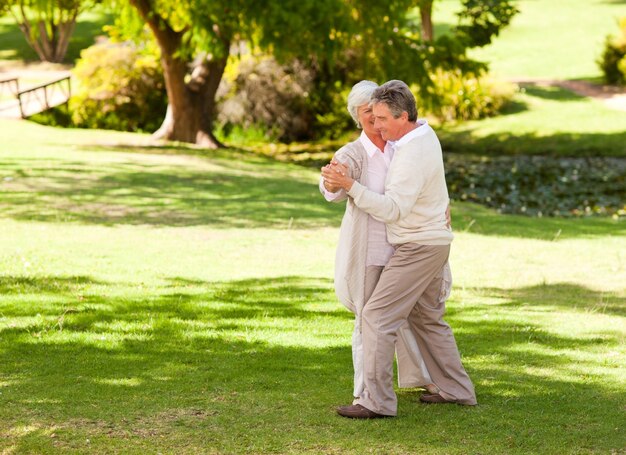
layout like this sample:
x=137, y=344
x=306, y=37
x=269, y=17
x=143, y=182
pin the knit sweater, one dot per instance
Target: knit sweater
x=416, y=196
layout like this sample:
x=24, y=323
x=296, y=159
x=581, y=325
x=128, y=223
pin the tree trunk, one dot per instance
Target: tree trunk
x=426, y=14
x=48, y=38
x=66, y=29
x=191, y=109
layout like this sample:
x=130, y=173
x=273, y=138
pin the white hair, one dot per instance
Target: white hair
x=360, y=94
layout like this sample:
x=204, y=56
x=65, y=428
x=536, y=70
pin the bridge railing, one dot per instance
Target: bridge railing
x=44, y=95
x=8, y=82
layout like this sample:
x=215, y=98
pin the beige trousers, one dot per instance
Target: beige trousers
x=412, y=370
x=413, y=274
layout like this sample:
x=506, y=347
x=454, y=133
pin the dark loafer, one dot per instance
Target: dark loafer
x=356, y=411
x=433, y=398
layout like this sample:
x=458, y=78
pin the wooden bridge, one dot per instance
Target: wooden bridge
x=16, y=103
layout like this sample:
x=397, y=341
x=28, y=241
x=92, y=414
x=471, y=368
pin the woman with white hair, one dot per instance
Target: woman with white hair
x=363, y=250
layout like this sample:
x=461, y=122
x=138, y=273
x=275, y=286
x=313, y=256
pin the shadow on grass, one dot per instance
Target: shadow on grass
x=567, y=297
x=229, y=189
x=513, y=107
x=546, y=298
x=550, y=93
x=558, y=144
x=160, y=195
x=256, y=366
x=14, y=45
x=31, y=285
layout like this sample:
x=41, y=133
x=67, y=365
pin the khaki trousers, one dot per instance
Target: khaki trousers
x=409, y=288
x=412, y=371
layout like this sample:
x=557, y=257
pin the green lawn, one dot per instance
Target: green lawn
x=170, y=300
x=543, y=121
x=549, y=39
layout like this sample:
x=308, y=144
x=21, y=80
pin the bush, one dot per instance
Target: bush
x=265, y=94
x=456, y=96
x=540, y=186
x=613, y=59
x=120, y=88
x=332, y=119
x=58, y=116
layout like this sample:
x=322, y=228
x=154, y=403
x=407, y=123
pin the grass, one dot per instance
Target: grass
x=546, y=40
x=550, y=39
x=543, y=121
x=171, y=300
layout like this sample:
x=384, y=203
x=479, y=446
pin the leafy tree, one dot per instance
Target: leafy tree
x=426, y=16
x=47, y=25
x=480, y=20
x=342, y=40
x=387, y=45
x=196, y=37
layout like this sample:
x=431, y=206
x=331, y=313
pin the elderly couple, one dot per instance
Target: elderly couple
x=392, y=260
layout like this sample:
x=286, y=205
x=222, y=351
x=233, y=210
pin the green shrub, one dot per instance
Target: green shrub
x=332, y=119
x=58, y=116
x=621, y=66
x=455, y=96
x=119, y=88
x=293, y=103
x=540, y=185
x=258, y=91
x=613, y=59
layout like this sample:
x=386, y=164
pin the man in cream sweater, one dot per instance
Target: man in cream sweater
x=413, y=207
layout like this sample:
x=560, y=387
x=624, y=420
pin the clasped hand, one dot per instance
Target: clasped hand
x=336, y=176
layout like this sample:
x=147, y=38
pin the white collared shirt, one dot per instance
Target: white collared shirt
x=379, y=250
x=411, y=134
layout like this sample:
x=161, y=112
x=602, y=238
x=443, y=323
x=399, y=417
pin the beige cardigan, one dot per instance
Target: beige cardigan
x=351, y=252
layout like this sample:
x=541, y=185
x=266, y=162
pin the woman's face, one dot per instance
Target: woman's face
x=366, y=118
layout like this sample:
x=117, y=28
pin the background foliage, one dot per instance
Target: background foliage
x=540, y=186
x=613, y=58
x=120, y=87
x=333, y=44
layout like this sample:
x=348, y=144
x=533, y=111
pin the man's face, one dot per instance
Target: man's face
x=391, y=129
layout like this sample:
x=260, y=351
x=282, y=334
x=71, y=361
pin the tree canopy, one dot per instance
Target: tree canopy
x=345, y=40
x=47, y=25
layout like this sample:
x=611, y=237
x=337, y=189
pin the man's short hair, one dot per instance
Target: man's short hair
x=398, y=98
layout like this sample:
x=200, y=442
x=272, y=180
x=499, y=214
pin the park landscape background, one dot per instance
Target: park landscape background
x=163, y=298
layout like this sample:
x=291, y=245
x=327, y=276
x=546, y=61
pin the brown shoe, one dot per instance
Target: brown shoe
x=433, y=398
x=356, y=411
